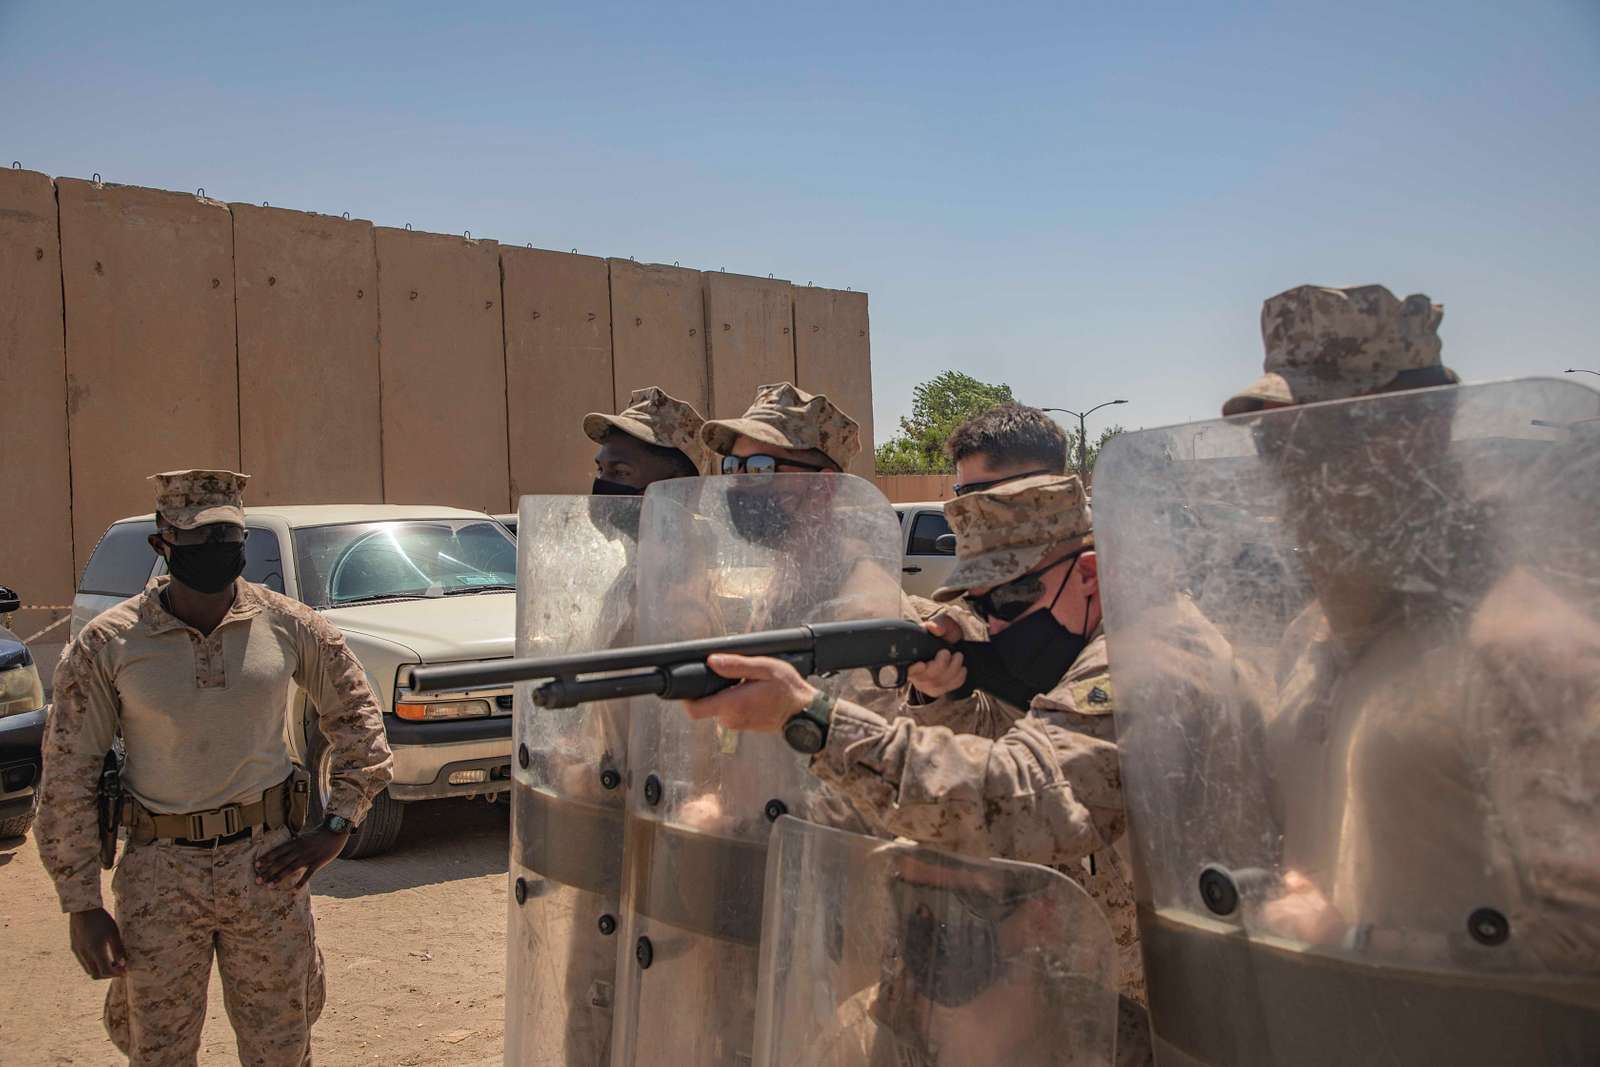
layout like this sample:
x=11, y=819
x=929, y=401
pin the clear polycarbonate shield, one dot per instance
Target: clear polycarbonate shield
x=725, y=556
x=886, y=953
x=1357, y=658
x=575, y=593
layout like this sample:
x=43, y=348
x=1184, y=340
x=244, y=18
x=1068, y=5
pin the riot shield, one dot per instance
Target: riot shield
x=1355, y=647
x=575, y=592
x=723, y=556
x=886, y=953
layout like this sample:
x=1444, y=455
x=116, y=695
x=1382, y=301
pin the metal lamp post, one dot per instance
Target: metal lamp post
x=1580, y=370
x=1083, y=443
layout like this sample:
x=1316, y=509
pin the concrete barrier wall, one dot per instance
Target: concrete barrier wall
x=915, y=488
x=152, y=364
x=307, y=290
x=35, y=486
x=144, y=330
x=833, y=356
x=558, y=360
x=750, y=336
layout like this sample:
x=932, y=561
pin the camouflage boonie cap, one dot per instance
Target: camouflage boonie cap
x=1333, y=344
x=188, y=499
x=1005, y=532
x=656, y=418
x=788, y=417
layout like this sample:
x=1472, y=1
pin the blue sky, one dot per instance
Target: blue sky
x=1086, y=201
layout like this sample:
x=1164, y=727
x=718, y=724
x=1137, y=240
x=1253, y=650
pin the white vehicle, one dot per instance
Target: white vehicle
x=406, y=585
x=927, y=561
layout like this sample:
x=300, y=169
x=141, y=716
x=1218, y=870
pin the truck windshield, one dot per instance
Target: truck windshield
x=364, y=561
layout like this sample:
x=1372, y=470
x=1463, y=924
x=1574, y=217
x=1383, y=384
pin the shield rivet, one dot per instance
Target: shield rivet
x=644, y=953
x=1488, y=927
x=1218, y=891
x=522, y=756
x=776, y=808
x=609, y=778
x=608, y=925
x=520, y=891
x=652, y=790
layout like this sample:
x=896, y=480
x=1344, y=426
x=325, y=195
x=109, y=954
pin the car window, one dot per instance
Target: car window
x=263, y=559
x=925, y=533
x=434, y=557
x=121, y=563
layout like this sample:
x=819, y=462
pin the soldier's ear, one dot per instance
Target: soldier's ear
x=1089, y=567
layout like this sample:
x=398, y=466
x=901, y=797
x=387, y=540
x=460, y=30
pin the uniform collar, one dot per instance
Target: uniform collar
x=247, y=603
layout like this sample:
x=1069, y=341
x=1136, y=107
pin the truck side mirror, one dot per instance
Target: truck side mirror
x=945, y=544
x=9, y=601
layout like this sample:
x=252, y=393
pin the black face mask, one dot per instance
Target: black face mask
x=601, y=487
x=207, y=568
x=1027, y=658
x=950, y=962
x=759, y=516
x=612, y=519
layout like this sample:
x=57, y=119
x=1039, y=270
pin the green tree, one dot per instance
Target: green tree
x=937, y=408
x=1095, y=445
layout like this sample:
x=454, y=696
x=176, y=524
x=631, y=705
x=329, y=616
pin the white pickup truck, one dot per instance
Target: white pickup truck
x=406, y=585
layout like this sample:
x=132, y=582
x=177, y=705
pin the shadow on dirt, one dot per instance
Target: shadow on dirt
x=441, y=841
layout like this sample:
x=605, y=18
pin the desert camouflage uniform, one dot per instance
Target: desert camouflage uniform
x=789, y=417
x=656, y=418
x=1332, y=344
x=981, y=777
x=177, y=905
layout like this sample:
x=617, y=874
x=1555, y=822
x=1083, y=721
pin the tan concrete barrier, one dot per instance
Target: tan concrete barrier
x=558, y=365
x=833, y=356
x=912, y=488
x=145, y=330
x=35, y=487
x=307, y=290
x=152, y=363
x=750, y=335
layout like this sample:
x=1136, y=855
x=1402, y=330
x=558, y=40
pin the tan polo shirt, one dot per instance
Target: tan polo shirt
x=202, y=718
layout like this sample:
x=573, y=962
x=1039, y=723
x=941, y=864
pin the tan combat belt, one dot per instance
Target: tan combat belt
x=282, y=805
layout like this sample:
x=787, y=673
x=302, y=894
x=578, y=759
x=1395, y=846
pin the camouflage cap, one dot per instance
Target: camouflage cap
x=788, y=417
x=1005, y=532
x=1332, y=344
x=188, y=499
x=656, y=418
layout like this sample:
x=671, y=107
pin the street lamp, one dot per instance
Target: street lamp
x=1083, y=443
x=1580, y=370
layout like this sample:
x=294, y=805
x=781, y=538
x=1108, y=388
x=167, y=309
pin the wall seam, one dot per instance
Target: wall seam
x=238, y=370
x=505, y=379
x=377, y=284
x=706, y=353
x=66, y=381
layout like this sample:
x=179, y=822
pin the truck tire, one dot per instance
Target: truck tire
x=378, y=831
x=19, y=825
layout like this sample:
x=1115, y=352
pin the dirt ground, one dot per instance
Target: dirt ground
x=414, y=944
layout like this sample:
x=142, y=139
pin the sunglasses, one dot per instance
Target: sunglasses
x=764, y=464
x=216, y=533
x=1011, y=601
x=963, y=488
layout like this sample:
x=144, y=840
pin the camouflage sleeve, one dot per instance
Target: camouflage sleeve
x=79, y=732
x=348, y=715
x=1041, y=792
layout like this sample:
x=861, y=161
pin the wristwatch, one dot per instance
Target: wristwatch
x=338, y=824
x=807, y=729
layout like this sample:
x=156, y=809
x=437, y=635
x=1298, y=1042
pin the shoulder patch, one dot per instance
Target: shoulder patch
x=1093, y=695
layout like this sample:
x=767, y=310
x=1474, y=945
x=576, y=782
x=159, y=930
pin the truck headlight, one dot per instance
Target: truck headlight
x=442, y=709
x=20, y=690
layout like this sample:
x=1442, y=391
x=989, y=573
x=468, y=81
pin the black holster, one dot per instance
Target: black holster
x=108, y=808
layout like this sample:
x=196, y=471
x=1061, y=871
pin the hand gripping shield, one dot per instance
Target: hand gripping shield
x=725, y=556
x=887, y=953
x=575, y=592
x=1357, y=653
